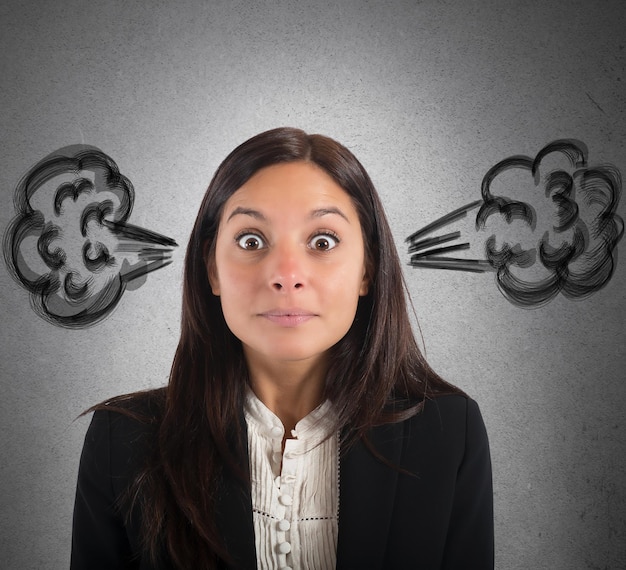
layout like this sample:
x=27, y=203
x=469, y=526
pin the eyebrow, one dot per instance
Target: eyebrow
x=247, y=212
x=317, y=213
x=325, y=211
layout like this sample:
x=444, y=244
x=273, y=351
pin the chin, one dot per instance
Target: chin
x=290, y=353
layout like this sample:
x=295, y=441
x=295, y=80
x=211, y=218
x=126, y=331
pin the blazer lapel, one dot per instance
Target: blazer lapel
x=366, y=496
x=234, y=511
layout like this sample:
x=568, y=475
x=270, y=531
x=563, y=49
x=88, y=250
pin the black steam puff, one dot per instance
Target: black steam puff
x=560, y=236
x=70, y=244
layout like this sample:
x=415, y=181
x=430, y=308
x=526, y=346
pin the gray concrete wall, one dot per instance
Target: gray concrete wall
x=429, y=95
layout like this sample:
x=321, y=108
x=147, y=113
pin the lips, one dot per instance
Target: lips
x=288, y=317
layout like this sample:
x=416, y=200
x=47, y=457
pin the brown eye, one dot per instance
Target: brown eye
x=250, y=242
x=323, y=242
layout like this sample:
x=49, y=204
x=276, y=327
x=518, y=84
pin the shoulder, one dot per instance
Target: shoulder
x=449, y=411
x=440, y=433
x=139, y=408
x=130, y=413
x=122, y=433
x=447, y=429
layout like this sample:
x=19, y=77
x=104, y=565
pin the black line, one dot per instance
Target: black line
x=444, y=220
x=424, y=243
x=151, y=253
x=137, y=233
x=595, y=102
x=144, y=269
x=471, y=265
x=440, y=250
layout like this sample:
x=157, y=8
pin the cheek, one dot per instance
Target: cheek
x=235, y=299
x=348, y=285
x=220, y=272
x=231, y=283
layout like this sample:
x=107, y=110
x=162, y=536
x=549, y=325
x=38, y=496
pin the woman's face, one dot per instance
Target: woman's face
x=289, y=263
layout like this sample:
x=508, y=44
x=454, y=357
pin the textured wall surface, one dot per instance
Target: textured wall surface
x=429, y=95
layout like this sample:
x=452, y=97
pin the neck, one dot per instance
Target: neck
x=289, y=389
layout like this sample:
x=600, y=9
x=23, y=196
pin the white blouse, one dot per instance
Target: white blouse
x=295, y=493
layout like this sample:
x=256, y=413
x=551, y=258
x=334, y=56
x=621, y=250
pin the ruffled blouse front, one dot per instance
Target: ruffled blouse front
x=295, y=492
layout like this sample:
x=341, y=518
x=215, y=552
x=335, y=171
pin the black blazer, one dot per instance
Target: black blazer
x=440, y=518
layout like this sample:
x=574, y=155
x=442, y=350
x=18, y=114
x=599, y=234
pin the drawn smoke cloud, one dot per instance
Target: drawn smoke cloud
x=70, y=244
x=551, y=224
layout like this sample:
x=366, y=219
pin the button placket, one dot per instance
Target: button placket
x=287, y=498
x=275, y=433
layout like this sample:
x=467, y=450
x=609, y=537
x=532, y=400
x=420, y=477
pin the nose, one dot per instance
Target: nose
x=287, y=269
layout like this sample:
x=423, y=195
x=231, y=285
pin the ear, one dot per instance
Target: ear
x=365, y=283
x=213, y=280
x=211, y=269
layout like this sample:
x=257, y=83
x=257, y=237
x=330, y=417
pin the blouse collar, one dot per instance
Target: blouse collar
x=313, y=428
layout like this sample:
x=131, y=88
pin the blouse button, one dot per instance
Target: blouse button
x=285, y=500
x=284, y=525
x=276, y=432
x=284, y=548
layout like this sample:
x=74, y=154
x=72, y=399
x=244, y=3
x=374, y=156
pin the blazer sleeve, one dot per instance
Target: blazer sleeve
x=469, y=542
x=99, y=537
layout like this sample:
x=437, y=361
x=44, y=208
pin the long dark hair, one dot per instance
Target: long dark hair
x=376, y=375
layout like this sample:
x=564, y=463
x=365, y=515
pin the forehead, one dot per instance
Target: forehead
x=293, y=185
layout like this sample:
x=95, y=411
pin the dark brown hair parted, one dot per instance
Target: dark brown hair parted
x=376, y=374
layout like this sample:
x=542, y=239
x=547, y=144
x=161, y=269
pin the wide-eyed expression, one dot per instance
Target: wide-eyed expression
x=289, y=263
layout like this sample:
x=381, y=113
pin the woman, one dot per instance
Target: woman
x=301, y=426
